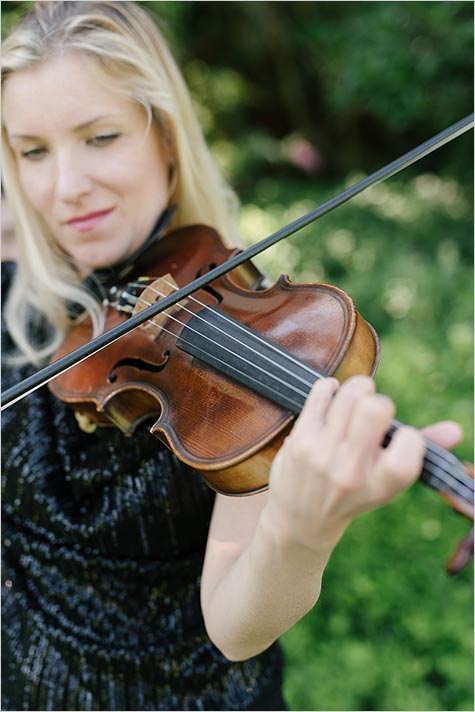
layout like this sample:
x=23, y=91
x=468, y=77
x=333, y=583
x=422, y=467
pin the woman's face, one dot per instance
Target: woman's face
x=86, y=161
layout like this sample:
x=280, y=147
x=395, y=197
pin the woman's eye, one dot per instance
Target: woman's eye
x=33, y=154
x=103, y=139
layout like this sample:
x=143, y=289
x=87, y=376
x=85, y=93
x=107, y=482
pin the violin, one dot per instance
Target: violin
x=226, y=355
x=198, y=351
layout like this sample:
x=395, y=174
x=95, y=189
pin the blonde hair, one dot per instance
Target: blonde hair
x=126, y=47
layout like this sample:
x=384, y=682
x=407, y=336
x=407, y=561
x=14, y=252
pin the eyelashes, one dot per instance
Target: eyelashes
x=36, y=153
x=103, y=139
x=32, y=154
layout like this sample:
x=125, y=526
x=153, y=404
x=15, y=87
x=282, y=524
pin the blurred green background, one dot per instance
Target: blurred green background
x=298, y=100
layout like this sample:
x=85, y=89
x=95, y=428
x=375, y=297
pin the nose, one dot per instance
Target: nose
x=72, y=179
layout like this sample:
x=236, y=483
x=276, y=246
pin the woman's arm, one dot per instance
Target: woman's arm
x=266, y=554
x=255, y=585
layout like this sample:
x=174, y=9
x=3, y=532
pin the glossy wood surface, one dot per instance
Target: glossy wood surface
x=210, y=421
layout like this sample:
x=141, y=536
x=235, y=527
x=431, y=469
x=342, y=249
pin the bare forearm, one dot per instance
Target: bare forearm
x=273, y=584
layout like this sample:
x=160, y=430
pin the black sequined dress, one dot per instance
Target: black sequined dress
x=104, y=539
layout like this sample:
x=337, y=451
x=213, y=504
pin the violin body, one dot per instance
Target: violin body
x=213, y=421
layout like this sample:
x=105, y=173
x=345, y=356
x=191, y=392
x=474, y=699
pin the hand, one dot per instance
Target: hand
x=332, y=466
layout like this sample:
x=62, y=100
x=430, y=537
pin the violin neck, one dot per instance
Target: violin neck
x=441, y=470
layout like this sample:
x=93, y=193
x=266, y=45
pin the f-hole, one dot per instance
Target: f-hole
x=140, y=364
x=208, y=288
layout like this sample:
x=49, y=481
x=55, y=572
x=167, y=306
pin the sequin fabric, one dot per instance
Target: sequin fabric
x=103, y=540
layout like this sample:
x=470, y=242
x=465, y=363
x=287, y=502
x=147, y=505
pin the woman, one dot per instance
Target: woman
x=129, y=584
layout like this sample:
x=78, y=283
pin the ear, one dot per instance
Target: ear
x=168, y=145
x=169, y=156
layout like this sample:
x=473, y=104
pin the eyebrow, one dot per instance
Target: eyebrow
x=80, y=127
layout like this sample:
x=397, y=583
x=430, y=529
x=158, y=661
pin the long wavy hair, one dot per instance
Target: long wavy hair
x=130, y=54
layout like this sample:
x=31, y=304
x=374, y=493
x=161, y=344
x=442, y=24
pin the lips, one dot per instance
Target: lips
x=88, y=221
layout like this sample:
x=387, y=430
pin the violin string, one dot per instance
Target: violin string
x=462, y=478
x=234, y=353
x=438, y=452
x=444, y=476
x=256, y=336
x=445, y=457
x=289, y=357
x=207, y=353
x=440, y=456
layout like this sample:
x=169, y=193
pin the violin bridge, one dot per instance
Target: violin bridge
x=158, y=289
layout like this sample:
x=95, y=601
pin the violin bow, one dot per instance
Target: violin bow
x=40, y=378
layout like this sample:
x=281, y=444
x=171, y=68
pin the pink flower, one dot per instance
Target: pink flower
x=304, y=155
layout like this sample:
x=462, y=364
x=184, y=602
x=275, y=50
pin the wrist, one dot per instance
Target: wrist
x=296, y=537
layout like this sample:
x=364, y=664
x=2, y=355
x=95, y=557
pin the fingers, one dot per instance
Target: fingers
x=349, y=397
x=370, y=422
x=332, y=466
x=315, y=409
x=400, y=464
x=330, y=410
x=446, y=433
x=332, y=404
x=341, y=429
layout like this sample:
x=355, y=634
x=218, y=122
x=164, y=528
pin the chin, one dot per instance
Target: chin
x=98, y=261
x=85, y=267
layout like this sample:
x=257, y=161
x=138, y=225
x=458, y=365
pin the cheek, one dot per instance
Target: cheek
x=35, y=181
x=158, y=182
x=145, y=183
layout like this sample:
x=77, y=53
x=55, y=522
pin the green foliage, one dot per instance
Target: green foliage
x=11, y=13
x=361, y=81
x=399, y=88
x=391, y=630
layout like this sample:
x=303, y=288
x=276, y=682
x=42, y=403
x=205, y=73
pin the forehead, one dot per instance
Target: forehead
x=58, y=94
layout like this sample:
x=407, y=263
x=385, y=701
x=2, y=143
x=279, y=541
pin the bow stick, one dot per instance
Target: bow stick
x=30, y=384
